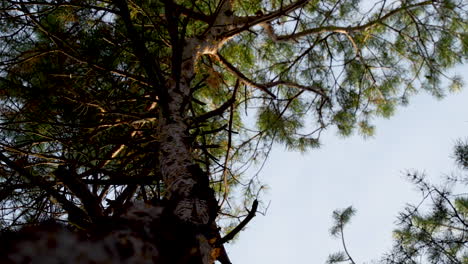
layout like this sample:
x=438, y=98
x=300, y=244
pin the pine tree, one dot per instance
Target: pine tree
x=437, y=235
x=435, y=230
x=105, y=103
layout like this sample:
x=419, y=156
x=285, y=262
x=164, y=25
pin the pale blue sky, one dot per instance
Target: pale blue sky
x=305, y=189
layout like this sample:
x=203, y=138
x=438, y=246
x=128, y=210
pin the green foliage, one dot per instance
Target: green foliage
x=280, y=126
x=345, y=121
x=435, y=236
x=336, y=258
x=461, y=204
x=461, y=154
x=341, y=218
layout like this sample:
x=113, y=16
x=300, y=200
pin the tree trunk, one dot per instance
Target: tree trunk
x=190, y=199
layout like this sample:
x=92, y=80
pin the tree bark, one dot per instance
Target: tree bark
x=190, y=198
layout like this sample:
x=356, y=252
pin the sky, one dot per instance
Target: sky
x=304, y=189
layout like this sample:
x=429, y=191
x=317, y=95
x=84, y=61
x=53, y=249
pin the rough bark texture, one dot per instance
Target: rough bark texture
x=189, y=193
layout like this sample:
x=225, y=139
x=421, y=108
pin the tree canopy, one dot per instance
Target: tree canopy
x=107, y=102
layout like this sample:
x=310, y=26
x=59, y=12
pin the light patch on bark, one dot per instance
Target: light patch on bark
x=193, y=210
x=212, y=46
x=176, y=160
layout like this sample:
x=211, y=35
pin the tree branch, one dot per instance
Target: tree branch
x=228, y=149
x=242, y=224
x=241, y=76
x=72, y=182
x=218, y=111
x=344, y=245
x=78, y=215
x=314, y=89
x=152, y=68
x=339, y=29
x=266, y=86
x=61, y=44
x=192, y=14
x=117, y=204
x=244, y=23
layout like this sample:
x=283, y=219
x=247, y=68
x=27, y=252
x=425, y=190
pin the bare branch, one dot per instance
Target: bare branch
x=242, y=224
x=228, y=149
x=265, y=87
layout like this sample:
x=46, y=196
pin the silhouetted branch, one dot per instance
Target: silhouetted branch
x=72, y=182
x=218, y=111
x=151, y=68
x=242, y=224
x=73, y=211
